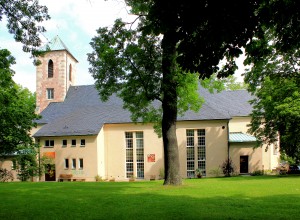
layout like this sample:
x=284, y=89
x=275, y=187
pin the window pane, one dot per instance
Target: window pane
x=201, y=132
x=140, y=155
x=73, y=142
x=129, y=170
x=52, y=143
x=128, y=135
x=73, y=163
x=67, y=163
x=82, y=142
x=190, y=132
x=139, y=134
x=81, y=163
x=140, y=143
x=64, y=142
x=190, y=153
x=129, y=155
x=50, y=69
x=140, y=170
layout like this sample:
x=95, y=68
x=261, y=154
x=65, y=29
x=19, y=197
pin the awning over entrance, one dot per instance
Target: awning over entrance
x=239, y=137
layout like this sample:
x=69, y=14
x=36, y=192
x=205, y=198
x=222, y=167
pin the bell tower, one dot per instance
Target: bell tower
x=55, y=74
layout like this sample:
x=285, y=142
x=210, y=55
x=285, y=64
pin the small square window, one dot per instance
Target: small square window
x=66, y=163
x=82, y=142
x=74, y=164
x=74, y=143
x=50, y=93
x=64, y=143
x=49, y=143
x=80, y=163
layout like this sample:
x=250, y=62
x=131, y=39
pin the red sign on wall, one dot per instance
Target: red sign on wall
x=151, y=157
x=49, y=154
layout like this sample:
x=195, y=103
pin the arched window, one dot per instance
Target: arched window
x=50, y=69
x=70, y=72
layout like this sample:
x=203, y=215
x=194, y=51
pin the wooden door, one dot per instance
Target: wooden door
x=244, y=164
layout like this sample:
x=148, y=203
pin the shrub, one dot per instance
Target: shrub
x=98, y=178
x=216, y=172
x=228, y=167
x=257, y=173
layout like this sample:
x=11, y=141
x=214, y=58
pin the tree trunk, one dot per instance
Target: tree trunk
x=169, y=106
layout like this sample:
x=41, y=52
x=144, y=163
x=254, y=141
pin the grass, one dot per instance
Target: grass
x=262, y=197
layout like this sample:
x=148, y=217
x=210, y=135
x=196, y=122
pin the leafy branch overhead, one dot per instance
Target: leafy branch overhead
x=22, y=21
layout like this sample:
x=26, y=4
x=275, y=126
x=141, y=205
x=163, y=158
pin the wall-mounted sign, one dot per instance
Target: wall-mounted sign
x=49, y=154
x=151, y=157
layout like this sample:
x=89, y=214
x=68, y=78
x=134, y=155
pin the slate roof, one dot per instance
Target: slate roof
x=83, y=113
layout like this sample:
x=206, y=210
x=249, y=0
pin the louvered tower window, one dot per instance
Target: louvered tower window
x=50, y=69
x=70, y=72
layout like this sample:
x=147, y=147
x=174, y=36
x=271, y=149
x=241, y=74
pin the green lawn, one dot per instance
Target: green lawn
x=263, y=197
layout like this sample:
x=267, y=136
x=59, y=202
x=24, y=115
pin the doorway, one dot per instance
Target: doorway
x=50, y=172
x=244, y=164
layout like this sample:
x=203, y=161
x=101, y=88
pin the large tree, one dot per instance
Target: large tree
x=274, y=75
x=17, y=112
x=22, y=21
x=154, y=61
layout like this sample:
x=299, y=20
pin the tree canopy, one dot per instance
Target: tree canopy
x=17, y=112
x=274, y=76
x=22, y=21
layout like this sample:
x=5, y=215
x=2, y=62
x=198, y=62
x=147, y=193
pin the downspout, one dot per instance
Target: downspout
x=66, y=75
x=228, y=143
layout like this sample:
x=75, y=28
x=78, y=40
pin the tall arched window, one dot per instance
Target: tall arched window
x=70, y=72
x=50, y=69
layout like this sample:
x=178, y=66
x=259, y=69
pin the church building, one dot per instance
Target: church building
x=87, y=138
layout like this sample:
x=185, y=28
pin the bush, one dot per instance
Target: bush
x=216, y=172
x=228, y=167
x=257, y=173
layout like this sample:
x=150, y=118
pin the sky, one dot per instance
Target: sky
x=75, y=22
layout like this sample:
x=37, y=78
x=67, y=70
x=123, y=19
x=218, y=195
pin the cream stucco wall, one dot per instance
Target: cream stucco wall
x=101, y=154
x=88, y=153
x=216, y=143
x=114, y=135
x=261, y=158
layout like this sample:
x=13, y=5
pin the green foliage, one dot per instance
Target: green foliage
x=17, y=112
x=228, y=167
x=216, y=172
x=274, y=76
x=257, y=173
x=22, y=21
x=26, y=166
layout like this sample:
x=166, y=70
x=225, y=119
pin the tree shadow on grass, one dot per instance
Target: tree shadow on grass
x=139, y=201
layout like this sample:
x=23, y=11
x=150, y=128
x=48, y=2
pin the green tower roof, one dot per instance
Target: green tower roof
x=56, y=44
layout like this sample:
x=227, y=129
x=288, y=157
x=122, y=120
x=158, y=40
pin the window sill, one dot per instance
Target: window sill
x=64, y=146
x=82, y=145
x=48, y=147
x=73, y=145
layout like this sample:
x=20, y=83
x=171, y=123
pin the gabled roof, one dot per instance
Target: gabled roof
x=83, y=113
x=56, y=44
